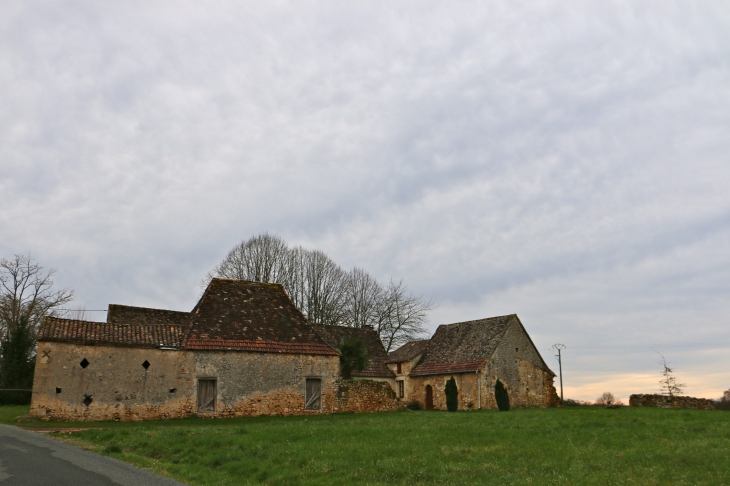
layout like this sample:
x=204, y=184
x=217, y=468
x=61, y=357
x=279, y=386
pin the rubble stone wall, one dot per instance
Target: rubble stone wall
x=665, y=401
x=115, y=385
x=364, y=396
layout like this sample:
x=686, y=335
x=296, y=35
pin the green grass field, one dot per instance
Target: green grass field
x=576, y=445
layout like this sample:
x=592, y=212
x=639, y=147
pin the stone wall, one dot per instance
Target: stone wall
x=518, y=365
x=251, y=384
x=406, y=367
x=664, y=401
x=466, y=385
x=115, y=385
x=364, y=396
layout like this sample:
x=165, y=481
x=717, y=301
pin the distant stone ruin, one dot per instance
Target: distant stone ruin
x=666, y=401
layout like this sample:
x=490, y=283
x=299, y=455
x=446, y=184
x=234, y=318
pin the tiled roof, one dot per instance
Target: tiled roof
x=102, y=333
x=231, y=315
x=127, y=314
x=238, y=310
x=259, y=346
x=463, y=346
x=333, y=336
x=444, y=368
x=408, y=351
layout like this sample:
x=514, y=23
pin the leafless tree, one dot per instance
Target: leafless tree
x=324, y=292
x=608, y=400
x=26, y=291
x=262, y=258
x=363, y=295
x=401, y=316
x=669, y=382
x=324, y=284
x=78, y=314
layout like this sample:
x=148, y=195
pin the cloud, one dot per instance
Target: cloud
x=566, y=161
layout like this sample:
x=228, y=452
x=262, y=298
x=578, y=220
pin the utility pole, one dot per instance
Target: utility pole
x=560, y=347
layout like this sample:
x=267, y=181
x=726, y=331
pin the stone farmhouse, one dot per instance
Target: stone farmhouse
x=246, y=350
x=476, y=354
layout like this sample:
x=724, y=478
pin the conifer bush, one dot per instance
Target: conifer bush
x=502, y=397
x=452, y=395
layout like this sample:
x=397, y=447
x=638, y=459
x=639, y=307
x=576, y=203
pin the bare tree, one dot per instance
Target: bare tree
x=669, y=382
x=401, y=316
x=78, y=314
x=324, y=284
x=608, y=400
x=362, y=298
x=324, y=292
x=26, y=291
x=262, y=258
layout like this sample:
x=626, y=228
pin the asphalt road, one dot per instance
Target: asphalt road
x=29, y=459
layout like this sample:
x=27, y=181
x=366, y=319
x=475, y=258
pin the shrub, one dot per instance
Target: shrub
x=452, y=395
x=413, y=406
x=15, y=397
x=353, y=357
x=502, y=397
x=569, y=402
x=724, y=402
x=608, y=400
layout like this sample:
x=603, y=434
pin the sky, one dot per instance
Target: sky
x=568, y=161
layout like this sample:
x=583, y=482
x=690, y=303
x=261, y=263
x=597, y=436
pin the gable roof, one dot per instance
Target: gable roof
x=250, y=316
x=101, y=333
x=408, y=351
x=462, y=347
x=333, y=336
x=127, y=314
x=231, y=315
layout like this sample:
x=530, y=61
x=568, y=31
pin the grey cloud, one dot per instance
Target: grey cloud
x=565, y=160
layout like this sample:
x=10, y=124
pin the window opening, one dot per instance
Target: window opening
x=206, y=395
x=87, y=400
x=84, y=363
x=58, y=390
x=401, y=389
x=173, y=390
x=146, y=364
x=313, y=394
x=399, y=369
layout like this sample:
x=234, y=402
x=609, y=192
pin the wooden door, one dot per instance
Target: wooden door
x=429, y=397
x=313, y=394
x=206, y=395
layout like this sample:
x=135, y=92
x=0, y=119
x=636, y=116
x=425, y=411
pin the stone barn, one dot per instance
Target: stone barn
x=476, y=354
x=244, y=350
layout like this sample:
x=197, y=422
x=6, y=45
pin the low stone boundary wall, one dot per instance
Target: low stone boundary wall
x=365, y=396
x=664, y=401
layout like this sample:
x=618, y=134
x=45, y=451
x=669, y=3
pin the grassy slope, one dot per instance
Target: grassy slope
x=554, y=446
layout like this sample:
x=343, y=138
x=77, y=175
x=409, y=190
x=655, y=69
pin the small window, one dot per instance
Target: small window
x=87, y=400
x=84, y=363
x=401, y=389
x=517, y=350
x=399, y=369
x=58, y=390
x=313, y=394
x=206, y=395
x=146, y=364
x=173, y=390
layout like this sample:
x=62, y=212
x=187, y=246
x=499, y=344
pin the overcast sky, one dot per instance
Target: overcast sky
x=565, y=161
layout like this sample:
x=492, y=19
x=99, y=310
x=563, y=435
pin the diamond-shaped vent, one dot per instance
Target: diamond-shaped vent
x=146, y=364
x=87, y=400
x=84, y=363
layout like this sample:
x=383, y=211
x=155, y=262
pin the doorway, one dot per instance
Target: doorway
x=429, y=397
